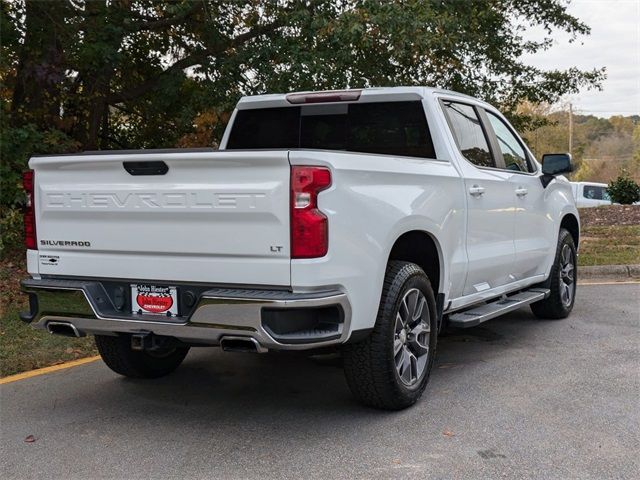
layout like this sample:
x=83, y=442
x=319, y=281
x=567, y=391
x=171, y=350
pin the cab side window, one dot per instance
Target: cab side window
x=595, y=192
x=513, y=153
x=468, y=132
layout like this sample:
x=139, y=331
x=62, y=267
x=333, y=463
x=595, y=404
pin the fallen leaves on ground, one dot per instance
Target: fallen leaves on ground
x=610, y=215
x=449, y=365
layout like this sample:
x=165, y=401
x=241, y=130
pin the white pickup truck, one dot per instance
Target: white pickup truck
x=363, y=220
x=589, y=194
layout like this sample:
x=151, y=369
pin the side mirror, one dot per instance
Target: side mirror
x=554, y=164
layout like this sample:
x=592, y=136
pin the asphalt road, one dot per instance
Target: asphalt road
x=516, y=398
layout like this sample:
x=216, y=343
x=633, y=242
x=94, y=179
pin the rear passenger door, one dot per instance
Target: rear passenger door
x=534, y=235
x=490, y=201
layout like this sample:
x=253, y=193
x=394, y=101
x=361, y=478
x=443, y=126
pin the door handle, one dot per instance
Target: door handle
x=521, y=192
x=476, y=190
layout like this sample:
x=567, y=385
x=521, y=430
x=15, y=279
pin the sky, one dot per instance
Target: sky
x=614, y=43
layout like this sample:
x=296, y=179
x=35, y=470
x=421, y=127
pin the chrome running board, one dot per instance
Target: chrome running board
x=476, y=315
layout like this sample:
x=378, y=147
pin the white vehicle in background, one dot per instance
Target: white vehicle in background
x=589, y=194
x=361, y=220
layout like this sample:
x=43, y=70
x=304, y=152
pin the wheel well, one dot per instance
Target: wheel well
x=570, y=222
x=419, y=247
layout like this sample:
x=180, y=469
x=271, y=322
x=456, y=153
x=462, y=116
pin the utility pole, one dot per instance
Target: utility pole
x=570, y=129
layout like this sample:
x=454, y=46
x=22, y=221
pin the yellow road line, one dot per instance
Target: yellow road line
x=637, y=282
x=45, y=370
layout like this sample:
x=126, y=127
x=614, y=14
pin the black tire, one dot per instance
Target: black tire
x=557, y=305
x=116, y=352
x=370, y=365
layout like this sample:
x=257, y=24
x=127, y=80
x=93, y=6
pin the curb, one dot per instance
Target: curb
x=607, y=271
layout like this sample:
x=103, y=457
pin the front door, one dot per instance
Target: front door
x=534, y=230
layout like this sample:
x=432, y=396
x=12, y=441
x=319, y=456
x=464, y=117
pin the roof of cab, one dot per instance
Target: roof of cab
x=376, y=94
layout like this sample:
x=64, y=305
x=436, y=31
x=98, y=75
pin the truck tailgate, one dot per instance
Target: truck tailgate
x=213, y=217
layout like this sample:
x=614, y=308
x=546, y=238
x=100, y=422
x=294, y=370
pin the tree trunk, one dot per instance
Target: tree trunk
x=41, y=69
x=98, y=121
x=103, y=26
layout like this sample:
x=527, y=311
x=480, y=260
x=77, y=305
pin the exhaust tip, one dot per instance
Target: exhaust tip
x=65, y=329
x=241, y=344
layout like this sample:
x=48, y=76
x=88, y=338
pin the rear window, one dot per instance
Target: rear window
x=468, y=132
x=391, y=128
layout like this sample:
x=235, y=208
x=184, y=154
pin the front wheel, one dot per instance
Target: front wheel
x=390, y=368
x=117, y=353
x=562, y=281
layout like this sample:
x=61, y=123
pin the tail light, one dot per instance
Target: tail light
x=309, y=226
x=28, y=180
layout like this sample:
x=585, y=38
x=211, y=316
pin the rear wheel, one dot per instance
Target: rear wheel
x=117, y=353
x=562, y=281
x=390, y=368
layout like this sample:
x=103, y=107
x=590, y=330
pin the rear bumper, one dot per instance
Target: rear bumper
x=275, y=319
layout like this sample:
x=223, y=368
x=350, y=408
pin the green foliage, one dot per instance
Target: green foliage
x=136, y=73
x=624, y=190
x=16, y=146
x=10, y=231
x=583, y=173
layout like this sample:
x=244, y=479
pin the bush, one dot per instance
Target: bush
x=11, y=232
x=624, y=190
x=17, y=144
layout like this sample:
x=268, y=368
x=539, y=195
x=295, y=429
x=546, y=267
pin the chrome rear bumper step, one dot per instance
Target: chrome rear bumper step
x=241, y=317
x=477, y=315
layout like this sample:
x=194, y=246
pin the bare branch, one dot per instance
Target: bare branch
x=141, y=89
x=191, y=60
x=255, y=32
x=165, y=22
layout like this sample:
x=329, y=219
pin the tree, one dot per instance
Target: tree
x=136, y=73
x=87, y=74
x=624, y=190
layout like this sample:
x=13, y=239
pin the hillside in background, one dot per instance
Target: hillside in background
x=601, y=147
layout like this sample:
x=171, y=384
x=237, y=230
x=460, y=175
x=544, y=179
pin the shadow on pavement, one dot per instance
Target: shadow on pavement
x=213, y=386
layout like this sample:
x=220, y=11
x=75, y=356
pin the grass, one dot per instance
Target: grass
x=22, y=347
x=610, y=245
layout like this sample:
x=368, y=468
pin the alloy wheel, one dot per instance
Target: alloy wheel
x=567, y=275
x=411, y=339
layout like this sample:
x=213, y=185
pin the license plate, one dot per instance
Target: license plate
x=155, y=300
